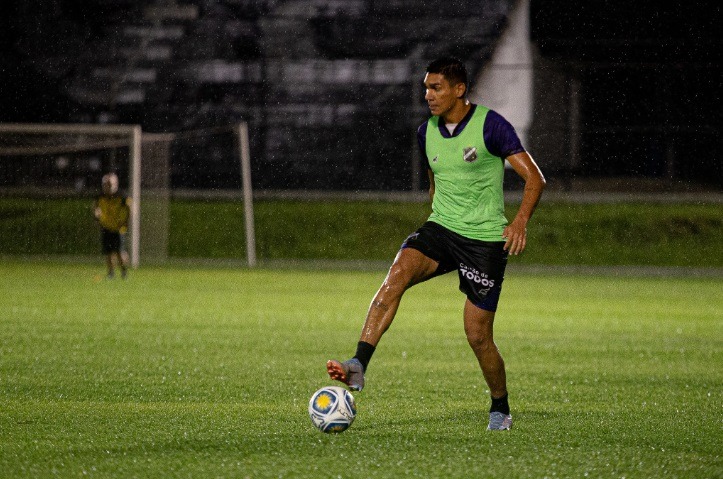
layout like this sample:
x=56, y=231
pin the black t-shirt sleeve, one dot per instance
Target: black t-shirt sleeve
x=500, y=136
x=422, y=140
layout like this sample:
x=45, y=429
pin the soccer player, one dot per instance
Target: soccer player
x=112, y=210
x=465, y=146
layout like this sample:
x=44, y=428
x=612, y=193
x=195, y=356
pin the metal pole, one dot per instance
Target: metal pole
x=243, y=135
x=574, y=123
x=135, y=184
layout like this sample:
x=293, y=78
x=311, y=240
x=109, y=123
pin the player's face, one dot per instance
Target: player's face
x=440, y=95
x=110, y=185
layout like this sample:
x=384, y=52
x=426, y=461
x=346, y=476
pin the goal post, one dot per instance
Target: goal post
x=242, y=131
x=135, y=194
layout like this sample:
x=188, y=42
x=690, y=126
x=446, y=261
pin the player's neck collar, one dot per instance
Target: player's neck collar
x=460, y=126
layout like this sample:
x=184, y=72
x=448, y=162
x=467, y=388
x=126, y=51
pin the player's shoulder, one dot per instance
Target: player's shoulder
x=494, y=118
x=500, y=136
x=124, y=198
x=423, y=127
x=497, y=125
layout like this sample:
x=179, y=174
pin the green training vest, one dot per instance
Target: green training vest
x=468, y=179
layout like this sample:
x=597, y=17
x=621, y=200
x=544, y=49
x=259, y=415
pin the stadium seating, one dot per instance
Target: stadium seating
x=322, y=83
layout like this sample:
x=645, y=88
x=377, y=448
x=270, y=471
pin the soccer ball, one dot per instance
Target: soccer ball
x=332, y=409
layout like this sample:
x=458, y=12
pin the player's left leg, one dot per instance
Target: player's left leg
x=123, y=261
x=478, y=325
x=122, y=255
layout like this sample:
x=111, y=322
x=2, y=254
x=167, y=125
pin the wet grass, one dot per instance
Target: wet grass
x=207, y=373
x=643, y=234
x=560, y=233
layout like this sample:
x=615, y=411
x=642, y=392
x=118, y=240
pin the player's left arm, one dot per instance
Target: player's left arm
x=126, y=214
x=515, y=234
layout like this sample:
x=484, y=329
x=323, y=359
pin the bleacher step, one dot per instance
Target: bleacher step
x=171, y=12
x=172, y=32
x=137, y=75
x=102, y=96
x=152, y=52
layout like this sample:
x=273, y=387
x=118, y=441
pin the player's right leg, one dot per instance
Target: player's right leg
x=110, y=273
x=410, y=267
x=107, y=247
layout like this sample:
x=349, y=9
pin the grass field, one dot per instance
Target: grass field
x=646, y=234
x=207, y=373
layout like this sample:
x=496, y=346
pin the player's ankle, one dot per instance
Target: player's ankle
x=364, y=352
x=500, y=404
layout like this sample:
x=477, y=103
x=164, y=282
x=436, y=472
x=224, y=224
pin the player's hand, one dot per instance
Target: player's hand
x=515, y=236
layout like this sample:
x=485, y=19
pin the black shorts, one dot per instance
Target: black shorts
x=480, y=265
x=111, y=241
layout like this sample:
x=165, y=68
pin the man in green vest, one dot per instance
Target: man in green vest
x=465, y=147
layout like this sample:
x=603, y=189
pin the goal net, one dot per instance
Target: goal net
x=51, y=173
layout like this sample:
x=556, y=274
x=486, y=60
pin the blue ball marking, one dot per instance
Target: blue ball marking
x=324, y=401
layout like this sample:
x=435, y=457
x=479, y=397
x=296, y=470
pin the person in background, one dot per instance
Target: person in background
x=112, y=211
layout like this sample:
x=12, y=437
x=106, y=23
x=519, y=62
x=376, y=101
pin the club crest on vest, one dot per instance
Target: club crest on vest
x=470, y=154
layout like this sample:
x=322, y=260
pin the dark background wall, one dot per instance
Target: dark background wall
x=647, y=77
x=331, y=88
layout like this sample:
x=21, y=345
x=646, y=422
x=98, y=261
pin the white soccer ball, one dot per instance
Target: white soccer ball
x=332, y=409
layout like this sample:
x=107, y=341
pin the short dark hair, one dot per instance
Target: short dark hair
x=451, y=68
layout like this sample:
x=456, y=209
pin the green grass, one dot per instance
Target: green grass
x=626, y=234
x=207, y=373
x=560, y=233
x=61, y=226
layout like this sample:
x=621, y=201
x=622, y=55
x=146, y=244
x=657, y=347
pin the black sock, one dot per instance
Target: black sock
x=500, y=405
x=364, y=353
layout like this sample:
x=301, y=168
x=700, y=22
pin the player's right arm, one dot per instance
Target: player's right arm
x=422, y=141
x=96, y=209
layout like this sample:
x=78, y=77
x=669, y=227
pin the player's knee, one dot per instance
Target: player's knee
x=398, y=279
x=390, y=292
x=480, y=341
